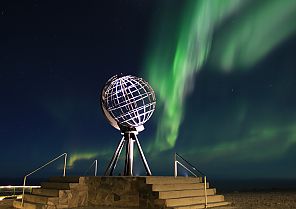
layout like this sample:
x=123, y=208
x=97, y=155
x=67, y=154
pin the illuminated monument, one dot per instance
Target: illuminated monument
x=127, y=102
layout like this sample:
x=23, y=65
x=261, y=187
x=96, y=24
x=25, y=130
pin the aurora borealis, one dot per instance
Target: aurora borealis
x=237, y=44
x=223, y=72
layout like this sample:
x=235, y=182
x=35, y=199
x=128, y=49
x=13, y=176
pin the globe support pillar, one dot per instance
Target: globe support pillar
x=129, y=159
x=128, y=140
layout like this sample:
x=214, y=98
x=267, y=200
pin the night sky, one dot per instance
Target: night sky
x=224, y=73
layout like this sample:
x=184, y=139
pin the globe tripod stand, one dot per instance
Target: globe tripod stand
x=128, y=140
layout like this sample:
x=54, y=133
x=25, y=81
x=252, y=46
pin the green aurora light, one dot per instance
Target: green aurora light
x=206, y=33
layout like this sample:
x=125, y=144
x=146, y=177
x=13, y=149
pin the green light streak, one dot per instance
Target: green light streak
x=264, y=143
x=81, y=156
x=172, y=78
x=172, y=64
x=255, y=33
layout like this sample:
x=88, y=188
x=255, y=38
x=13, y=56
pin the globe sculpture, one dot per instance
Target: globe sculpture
x=127, y=102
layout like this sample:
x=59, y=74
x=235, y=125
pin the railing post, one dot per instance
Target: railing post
x=96, y=167
x=206, y=195
x=24, y=184
x=65, y=164
x=176, y=166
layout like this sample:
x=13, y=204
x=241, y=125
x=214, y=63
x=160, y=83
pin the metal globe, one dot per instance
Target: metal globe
x=127, y=101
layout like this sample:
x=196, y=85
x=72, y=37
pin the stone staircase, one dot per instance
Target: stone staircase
x=183, y=193
x=57, y=193
x=153, y=192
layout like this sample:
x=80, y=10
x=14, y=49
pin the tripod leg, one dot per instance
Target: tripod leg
x=116, y=154
x=126, y=158
x=130, y=156
x=143, y=156
x=116, y=159
x=128, y=171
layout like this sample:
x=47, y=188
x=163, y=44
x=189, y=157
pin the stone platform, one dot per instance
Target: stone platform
x=155, y=192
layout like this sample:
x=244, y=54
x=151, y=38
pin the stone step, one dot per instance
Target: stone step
x=186, y=201
x=185, y=193
x=172, y=180
x=41, y=199
x=27, y=205
x=61, y=186
x=64, y=179
x=176, y=187
x=46, y=192
x=209, y=205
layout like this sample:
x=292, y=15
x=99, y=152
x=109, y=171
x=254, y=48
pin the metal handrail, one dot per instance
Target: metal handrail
x=206, y=192
x=12, y=191
x=195, y=169
x=46, y=164
x=185, y=168
x=192, y=166
x=96, y=167
x=11, y=187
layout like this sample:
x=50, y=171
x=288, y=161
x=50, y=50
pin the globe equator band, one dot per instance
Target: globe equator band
x=117, y=107
x=133, y=111
x=122, y=105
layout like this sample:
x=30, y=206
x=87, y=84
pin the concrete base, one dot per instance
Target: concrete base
x=119, y=191
x=153, y=192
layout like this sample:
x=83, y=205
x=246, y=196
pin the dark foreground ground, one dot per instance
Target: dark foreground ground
x=245, y=200
x=262, y=199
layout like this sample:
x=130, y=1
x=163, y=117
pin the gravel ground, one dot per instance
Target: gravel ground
x=262, y=200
